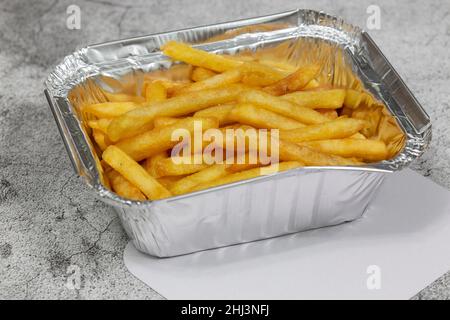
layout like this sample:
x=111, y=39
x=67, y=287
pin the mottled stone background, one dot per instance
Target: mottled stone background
x=49, y=220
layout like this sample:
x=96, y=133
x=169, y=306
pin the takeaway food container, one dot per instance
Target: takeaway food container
x=267, y=206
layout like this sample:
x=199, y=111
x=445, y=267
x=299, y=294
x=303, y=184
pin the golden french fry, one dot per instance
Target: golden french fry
x=100, y=124
x=123, y=187
x=358, y=136
x=220, y=112
x=111, y=109
x=218, y=63
x=183, y=52
x=372, y=115
x=101, y=139
x=262, y=118
x=219, y=80
x=150, y=163
x=289, y=151
x=175, y=167
x=164, y=121
x=155, y=92
x=132, y=122
x=257, y=74
x=320, y=99
x=134, y=173
x=345, y=111
x=329, y=113
x=313, y=84
x=277, y=64
x=199, y=74
x=168, y=182
x=247, y=174
x=294, y=81
x=172, y=87
x=335, y=129
x=244, y=166
x=372, y=150
x=244, y=162
x=157, y=140
x=122, y=97
x=255, y=80
x=206, y=175
x=355, y=98
x=283, y=107
x=234, y=137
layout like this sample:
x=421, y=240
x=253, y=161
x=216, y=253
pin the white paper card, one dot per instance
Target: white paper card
x=397, y=248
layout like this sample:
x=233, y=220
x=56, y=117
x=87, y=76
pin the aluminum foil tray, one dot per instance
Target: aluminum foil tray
x=268, y=206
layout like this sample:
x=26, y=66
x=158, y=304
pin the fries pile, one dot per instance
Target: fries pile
x=319, y=125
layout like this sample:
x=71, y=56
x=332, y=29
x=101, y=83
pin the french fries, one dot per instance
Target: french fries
x=221, y=112
x=101, y=139
x=262, y=118
x=354, y=99
x=313, y=84
x=150, y=163
x=164, y=121
x=204, y=176
x=132, y=122
x=199, y=74
x=329, y=113
x=278, y=65
x=335, y=129
x=372, y=115
x=123, y=187
x=122, y=97
x=372, y=150
x=174, y=167
x=294, y=81
x=256, y=114
x=293, y=152
x=256, y=74
x=111, y=109
x=172, y=87
x=157, y=140
x=155, y=92
x=283, y=107
x=216, y=81
x=245, y=175
x=134, y=173
x=168, y=182
x=183, y=52
x=388, y=129
x=358, y=135
x=321, y=99
x=244, y=162
x=100, y=125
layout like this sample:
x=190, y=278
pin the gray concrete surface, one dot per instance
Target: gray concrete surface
x=48, y=219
